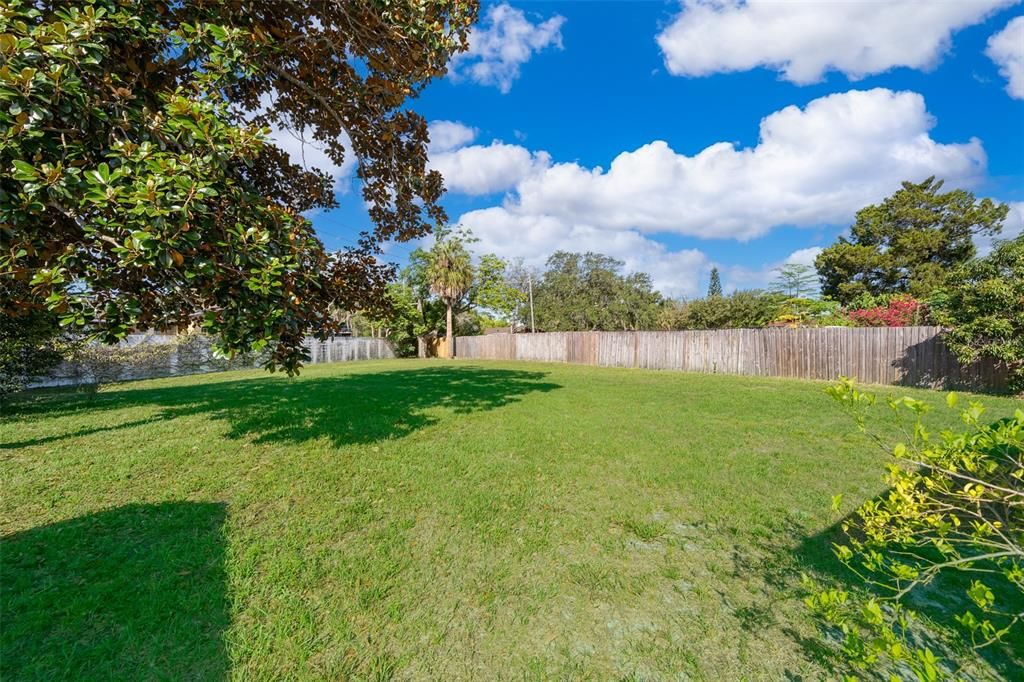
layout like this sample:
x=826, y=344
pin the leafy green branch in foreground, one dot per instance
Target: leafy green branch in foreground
x=954, y=509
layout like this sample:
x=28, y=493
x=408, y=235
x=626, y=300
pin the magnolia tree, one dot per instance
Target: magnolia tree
x=139, y=187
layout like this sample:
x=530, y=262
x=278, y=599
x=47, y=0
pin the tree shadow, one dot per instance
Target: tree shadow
x=930, y=364
x=347, y=409
x=794, y=553
x=133, y=592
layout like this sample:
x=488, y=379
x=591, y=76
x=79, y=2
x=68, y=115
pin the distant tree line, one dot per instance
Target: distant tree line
x=590, y=292
x=443, y=292
x=909, y=260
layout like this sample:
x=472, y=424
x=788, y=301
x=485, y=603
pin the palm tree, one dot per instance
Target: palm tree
x=451, y=275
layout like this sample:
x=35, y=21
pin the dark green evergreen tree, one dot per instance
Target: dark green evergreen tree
x=715, y=285
x=909, y=243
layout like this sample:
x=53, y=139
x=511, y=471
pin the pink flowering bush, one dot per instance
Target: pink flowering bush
x=900, y=311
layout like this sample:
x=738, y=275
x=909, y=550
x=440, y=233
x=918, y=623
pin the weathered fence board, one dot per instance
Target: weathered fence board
x=914, y=356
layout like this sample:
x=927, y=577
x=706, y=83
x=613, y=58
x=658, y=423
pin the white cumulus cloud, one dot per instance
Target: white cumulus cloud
x=804, y=40
x=812, y=166
x=479, y=169
x=1006, y=49
x=448, y=135
x=803, y=256
x=502, y=43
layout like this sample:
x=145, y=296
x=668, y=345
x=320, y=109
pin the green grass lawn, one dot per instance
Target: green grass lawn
x=426, y=520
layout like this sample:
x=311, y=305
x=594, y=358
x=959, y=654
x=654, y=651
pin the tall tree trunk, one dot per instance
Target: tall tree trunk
x=448, y=330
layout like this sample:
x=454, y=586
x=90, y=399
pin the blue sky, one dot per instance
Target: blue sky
x=743, y=135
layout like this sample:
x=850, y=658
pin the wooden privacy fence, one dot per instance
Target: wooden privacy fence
x=432, y=347
x=914, y=356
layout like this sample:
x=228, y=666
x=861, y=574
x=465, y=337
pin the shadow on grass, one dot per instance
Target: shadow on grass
x=361, y=407
x=793, y=552
x=134, y=592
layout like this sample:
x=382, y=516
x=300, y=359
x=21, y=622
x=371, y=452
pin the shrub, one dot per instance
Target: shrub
x=105, y=363
x=31, y=345
x=187, y=353
x=899, y=311
x=740, y=309
x=673, y=314
x=866, y=300
x=195, y=353
x=810, y=312
x=983, y=309
x=955, y=508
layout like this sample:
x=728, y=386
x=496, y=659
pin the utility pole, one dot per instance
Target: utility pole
x=533, y=324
